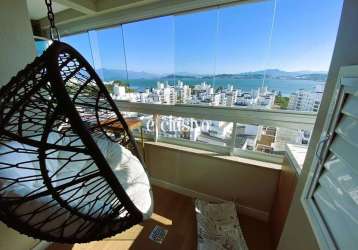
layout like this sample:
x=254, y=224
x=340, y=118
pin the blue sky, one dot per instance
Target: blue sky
x=222, y=40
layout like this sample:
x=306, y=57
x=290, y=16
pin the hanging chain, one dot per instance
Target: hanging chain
x=54, y=35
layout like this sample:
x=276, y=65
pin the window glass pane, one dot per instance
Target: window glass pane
x=215, y=132
x=195, y=46
x=145, y=126
x=41, y=45
x=82, y=44
x=149, y=50
x=303, y=38
x=108, y=53
x=291, y=136
x=273, y=140
x=246, y=136
x=243, y=43
x=202, y=131
x=262, y=55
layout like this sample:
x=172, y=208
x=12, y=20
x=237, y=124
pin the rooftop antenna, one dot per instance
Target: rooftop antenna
x=268, y=54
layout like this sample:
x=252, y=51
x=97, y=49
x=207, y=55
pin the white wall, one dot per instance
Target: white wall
x=203, y=174
x=16, y=50
x=17, y=47
x=298, y=234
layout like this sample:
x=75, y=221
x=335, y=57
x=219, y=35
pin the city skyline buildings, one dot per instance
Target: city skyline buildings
x=253, y=137
x=206, y=94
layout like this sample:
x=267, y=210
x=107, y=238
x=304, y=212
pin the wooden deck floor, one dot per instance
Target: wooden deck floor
x=174, y=212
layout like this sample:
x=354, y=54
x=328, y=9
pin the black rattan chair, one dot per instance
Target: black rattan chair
x=53, y=112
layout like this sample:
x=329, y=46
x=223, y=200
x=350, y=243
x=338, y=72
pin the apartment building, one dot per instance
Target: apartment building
x=304, y=100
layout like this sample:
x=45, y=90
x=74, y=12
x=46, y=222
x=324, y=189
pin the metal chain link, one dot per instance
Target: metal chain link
x=54, y=35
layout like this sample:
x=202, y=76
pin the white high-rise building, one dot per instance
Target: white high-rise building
x=160, y=85
x=119, y=92
x=168, y=95
x=143, y=97
x=231, y=98
x=222, y=98
x=210, y=91
x=183, y=92
x=244, y=99
x=154, y=97
x=262, y=91
x=303, y=100
x=230, y=87
x=264, y=98
x=215, y=99
x=180, y=84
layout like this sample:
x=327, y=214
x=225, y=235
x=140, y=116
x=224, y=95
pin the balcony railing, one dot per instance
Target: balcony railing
x=264, y=117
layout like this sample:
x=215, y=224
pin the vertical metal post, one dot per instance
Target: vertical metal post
x=142, y=138
x=233, y=138
x=156, y=118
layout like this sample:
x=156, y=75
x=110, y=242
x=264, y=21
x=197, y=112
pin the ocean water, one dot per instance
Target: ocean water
x=285, y=86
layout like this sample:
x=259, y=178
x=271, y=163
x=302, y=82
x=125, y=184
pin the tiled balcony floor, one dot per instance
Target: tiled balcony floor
x=176, y=213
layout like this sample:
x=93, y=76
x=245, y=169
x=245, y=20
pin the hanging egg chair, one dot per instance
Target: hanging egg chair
x=64, y=176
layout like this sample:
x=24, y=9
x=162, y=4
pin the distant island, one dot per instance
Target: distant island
x=268, y=74
x=114, y=74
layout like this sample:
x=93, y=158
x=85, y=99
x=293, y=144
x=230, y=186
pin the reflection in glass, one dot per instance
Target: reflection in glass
x=146, y=125
x=267, y=139
x=203, y=131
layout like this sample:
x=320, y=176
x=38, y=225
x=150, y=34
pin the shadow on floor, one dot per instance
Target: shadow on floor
x=172, y=211
x=175, y=213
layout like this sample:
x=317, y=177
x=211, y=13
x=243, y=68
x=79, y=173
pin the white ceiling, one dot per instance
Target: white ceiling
x=37, y=8
x=75, y=16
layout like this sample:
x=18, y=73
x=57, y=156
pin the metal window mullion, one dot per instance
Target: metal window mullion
x=233, y=138
x=156, y=119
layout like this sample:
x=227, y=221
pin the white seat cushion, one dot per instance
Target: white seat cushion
x=126, y=167
x=218, y=226
x=130, y=174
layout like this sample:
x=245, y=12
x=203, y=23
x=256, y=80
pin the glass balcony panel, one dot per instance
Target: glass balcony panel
x=82, y=44
x=108, y=54
x=149, y=47
x=41, y=45
x=195, y=47
x=309, y=46
x=271, y=140
x=243, y=43
x=246, y=136
x=216, y=133
x=145, y=125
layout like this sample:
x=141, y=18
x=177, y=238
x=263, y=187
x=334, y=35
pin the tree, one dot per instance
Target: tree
x=282, y=101
x=120, y=83
x=219, y=89
x=124, y=84
x=109, y=87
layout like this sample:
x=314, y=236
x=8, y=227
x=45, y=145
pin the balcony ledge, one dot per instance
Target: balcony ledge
x=237, y=159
